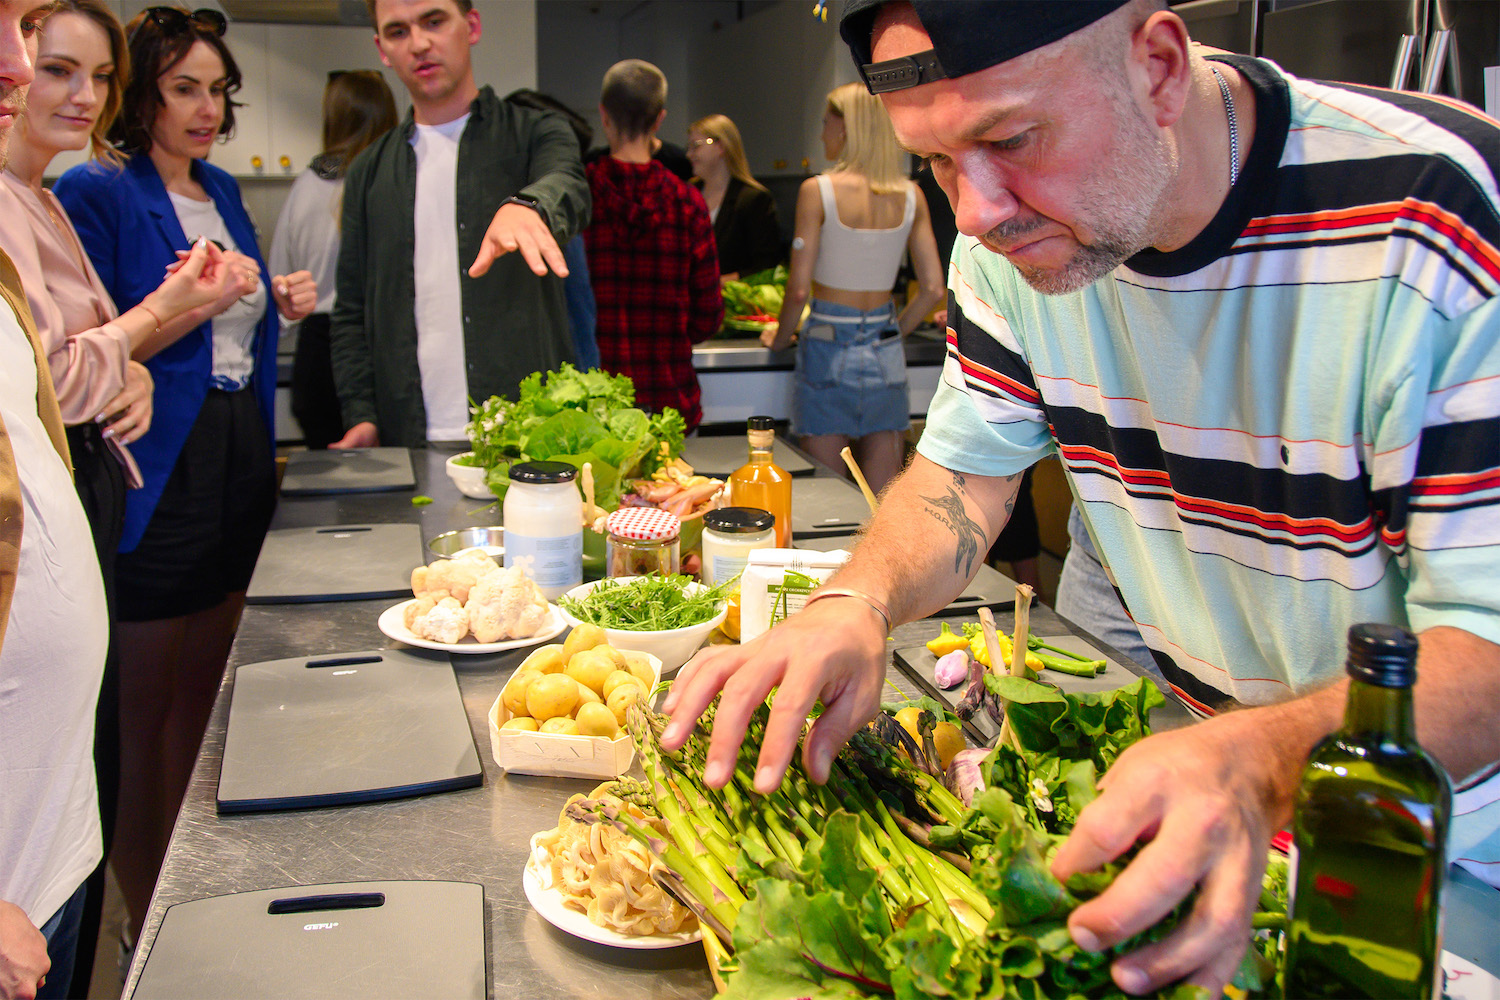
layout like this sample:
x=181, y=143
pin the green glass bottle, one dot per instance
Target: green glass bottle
x=1369, y=835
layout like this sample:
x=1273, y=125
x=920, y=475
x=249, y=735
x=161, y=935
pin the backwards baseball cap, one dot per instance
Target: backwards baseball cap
x=966, y=36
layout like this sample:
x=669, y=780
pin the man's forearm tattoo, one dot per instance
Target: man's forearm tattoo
x=949, y=510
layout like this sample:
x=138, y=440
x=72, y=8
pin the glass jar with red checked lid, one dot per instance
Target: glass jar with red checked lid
x=642, y=541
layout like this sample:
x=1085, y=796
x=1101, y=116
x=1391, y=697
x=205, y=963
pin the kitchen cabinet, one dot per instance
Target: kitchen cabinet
x=285, y=68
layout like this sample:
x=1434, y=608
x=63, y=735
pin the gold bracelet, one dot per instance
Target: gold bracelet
x=858, y=595
x=152, y=313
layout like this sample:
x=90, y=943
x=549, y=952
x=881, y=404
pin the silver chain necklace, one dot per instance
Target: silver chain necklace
x=1234, y=132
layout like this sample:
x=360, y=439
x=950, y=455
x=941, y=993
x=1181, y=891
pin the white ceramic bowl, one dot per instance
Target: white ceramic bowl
x=673, y=646
x=470, y=479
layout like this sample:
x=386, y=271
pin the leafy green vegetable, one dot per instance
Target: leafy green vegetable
x=648, y=603
x=754, y=295
x=573, y=416
x=420, y=500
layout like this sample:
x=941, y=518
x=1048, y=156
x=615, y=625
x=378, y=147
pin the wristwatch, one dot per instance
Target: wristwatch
x=529, y=202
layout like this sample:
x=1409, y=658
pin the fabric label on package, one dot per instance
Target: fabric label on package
x=551, y=562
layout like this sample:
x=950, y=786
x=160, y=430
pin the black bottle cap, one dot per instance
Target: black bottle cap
x=761, y=423
x=739, y=520
x=542, y=472
x=1382, y=655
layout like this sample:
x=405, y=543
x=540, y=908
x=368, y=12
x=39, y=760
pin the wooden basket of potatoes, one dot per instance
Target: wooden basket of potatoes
x=563, y=711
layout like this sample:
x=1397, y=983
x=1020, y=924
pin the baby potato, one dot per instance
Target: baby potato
x=525, y=722
x=583, y=637
x=617, y=678
x=594, y=719
x=551, y=696
x=591, y=667
x=614, y=654
x=639, y=664
x=561, y=725
x=621, y=699
x=514, y=695
x=586, y=696
x=547, y=660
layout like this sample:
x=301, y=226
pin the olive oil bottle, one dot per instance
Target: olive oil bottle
x=1369, y=835
x=763, y=484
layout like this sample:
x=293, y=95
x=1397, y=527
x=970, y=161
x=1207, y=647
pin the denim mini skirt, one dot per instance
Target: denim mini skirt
x=851, y=372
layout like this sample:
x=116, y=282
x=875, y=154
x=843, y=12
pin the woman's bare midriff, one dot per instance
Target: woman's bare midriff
x=859, y=300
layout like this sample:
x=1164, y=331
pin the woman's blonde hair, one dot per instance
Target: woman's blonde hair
x=723, y=132
x=870, y=146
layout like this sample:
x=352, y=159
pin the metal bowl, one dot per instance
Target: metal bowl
x=451, y=543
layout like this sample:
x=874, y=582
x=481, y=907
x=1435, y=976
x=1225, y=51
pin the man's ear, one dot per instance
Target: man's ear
x=660, y=117
x=1159, y=63
x=475, y=28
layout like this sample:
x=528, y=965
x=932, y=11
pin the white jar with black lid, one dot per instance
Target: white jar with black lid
x=730, y=534
x=544, y=525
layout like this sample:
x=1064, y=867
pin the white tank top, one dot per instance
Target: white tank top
x=859, y=260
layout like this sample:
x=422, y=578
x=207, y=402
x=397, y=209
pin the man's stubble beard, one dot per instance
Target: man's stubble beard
x=14, y=123
x=1124, y=196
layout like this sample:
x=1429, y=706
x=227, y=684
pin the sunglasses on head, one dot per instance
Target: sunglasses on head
x=175, y=20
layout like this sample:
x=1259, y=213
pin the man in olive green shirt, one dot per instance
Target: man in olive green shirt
x=414, y=335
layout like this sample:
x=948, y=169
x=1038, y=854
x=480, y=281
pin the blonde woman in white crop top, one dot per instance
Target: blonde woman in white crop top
x=854, y=225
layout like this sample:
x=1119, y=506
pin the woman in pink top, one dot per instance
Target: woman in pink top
x=105, y=397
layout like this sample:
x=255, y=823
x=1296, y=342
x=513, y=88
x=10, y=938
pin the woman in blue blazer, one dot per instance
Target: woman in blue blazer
x=193, y=531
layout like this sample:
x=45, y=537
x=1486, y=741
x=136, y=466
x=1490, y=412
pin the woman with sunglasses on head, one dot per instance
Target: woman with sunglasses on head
x=746, y=229
x=193, y=531
x=357, y=109
x=104, y=396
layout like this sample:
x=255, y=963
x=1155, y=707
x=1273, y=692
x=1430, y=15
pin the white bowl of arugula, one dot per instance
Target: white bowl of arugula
x=666, y=616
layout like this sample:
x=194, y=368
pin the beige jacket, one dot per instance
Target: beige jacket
x=46, y=408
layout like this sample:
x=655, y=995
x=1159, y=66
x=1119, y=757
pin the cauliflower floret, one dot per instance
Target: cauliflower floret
x=416, y=608
x=452, y=577
x=506, y=604
x=446, y=622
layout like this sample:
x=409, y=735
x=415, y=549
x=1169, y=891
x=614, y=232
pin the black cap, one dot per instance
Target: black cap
x=542, y=472
x=967, y=35
x=761, y=423
x=1383, y=655
x=739, y=520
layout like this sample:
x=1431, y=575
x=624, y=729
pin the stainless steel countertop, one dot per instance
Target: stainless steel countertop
x=923, y=347
x=479, y=834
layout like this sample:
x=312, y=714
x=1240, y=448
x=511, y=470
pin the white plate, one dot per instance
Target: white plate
x=393, y=623
x=547, y=901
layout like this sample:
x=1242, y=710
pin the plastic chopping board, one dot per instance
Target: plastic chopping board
x=823, y=505
x=720, y=456
x=917, y=661
x=353, y=727
x=350, y=562
x=352, y=470
x=346, y=939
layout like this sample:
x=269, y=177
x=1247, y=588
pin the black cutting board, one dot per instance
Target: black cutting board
x=719, y=457
x=353, y=727
x=347, y=562
x=342, y=940
x=348, y=470
x=823, y=505
x=917, y=662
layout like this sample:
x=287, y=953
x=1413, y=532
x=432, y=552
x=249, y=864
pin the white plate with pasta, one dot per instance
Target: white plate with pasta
x=547, y=900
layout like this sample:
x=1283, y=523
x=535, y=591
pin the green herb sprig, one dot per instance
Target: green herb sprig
x=648, y=603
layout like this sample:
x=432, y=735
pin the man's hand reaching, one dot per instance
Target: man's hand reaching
x=516, y=227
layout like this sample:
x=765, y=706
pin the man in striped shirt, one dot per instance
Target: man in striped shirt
x=1257, y=318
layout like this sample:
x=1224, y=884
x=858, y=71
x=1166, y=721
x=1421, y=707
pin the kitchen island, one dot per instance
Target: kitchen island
x=478, y=834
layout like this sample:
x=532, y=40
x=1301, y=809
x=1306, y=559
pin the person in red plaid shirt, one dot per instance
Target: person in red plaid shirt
x=651, y=250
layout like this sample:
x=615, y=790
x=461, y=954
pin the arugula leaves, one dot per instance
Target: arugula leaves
x=648, y=603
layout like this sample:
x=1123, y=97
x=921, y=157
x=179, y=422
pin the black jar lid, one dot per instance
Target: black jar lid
x=739, y=520
x=542, y=473
x=761, y=423
x=1382, y=655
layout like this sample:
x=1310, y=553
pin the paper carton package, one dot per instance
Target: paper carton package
x=776, y=583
